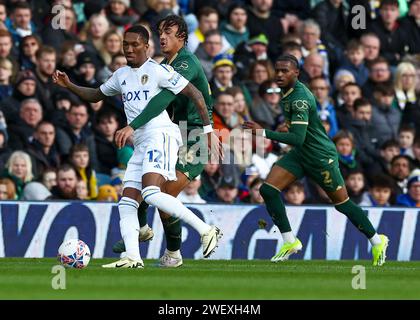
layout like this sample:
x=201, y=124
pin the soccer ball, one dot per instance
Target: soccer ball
x=74, y=253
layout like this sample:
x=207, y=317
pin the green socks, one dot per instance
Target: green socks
x=275, y=207
x=357, y=216
x=171, y=226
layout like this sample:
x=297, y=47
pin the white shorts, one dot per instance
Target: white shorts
x=157, y=153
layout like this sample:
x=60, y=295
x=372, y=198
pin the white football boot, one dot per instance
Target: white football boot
x=209, y=241
x=125, y=263
x=169, y=261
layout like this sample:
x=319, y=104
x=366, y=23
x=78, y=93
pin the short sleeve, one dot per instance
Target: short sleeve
x=171, y=80
x=186, y=68
x=111, y=87
x=300, y=112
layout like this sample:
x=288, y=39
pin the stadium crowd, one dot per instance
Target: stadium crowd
x=366, y=79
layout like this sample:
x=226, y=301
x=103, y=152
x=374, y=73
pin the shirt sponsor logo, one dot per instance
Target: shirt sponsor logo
x=135, y=95
x=300, y=105
x=174, y=80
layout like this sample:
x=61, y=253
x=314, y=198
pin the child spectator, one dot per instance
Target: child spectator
x=7, y=189
x=28, y=48
x=107, y=125
x=254, y=196
x=49, y=178
x=6, y=72
x=294, y=194
x=107, y=193
x=388, y=150
x=79, y=155
x=354, y=63
x=241, y=107
x=190, y=193
x=351, y=92
x=406, y=139
x=341, y=78
x=5, y=151
x=355, y=184
x=416, y=152
x=347, y=154
x=380, y=192
x=412, y=197
x=82, y=190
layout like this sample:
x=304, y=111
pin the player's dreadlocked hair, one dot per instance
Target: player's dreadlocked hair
x=289, y=58
x=174, y=20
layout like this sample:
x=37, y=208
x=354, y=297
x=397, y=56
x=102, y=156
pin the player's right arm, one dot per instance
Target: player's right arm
x=87, y=94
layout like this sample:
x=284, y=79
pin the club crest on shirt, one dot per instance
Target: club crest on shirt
x=181, y=65
x=144, y=79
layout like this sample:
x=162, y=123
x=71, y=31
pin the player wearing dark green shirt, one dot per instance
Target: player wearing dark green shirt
x=173, y=34
x=313, y=154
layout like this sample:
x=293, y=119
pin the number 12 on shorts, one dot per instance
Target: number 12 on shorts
x=155, y=153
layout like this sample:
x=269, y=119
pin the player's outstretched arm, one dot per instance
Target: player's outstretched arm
x=87, y=94
x=295, y=136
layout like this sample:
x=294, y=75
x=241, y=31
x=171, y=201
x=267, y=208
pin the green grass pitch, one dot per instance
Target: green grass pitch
x=211, y=279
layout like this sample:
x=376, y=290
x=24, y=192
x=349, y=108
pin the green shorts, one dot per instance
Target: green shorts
x=327, y=176
x=189, y=160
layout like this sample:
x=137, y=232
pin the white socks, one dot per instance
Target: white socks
x=375, y=240
x=288, y=237
x=171, y=205
x=129, y=226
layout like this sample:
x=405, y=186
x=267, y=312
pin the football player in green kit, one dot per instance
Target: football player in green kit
x=173, y=34
x=313, y=154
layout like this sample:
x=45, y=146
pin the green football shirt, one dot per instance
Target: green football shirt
x=188, y=65
x=299, y=108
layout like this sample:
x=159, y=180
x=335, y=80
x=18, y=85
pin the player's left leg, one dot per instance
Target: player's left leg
x=331, y=180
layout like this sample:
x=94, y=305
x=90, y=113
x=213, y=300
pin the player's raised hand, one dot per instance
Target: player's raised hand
x=122, y=136
x=215, y=146
x=255, y=127
x=61, y=78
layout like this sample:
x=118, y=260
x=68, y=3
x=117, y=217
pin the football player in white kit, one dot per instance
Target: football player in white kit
x=155, y=145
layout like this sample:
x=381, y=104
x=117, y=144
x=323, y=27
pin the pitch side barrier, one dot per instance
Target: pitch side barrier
x=36, y=229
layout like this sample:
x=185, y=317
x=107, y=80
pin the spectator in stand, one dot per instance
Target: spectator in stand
x=235, y=29
x=208, y=19
x=350, y=93
x=120, y=14
x=79, y=157
x=389, y=31
x=320, y=88
x=385, y=118
x=27, y=55
x=35, y=191
x=380, y=192
x=241, y=106
x=263, y=159
x=30, y=115
x=406, y=136
x=20, y=24
x=379, y=72
x=356, y=185
x=107, y=125
x=371, y=46
x=208, y=50
x=347, y=153
x=310, y=34
x=55, y=37
x=223, y=115
x=82, y=189
x=259, y=71
x=66, y=184
x=365, y=135
x=410, y=28
x=248, y=53
x=86, y=68
x=388, y=150
x=190, y=193
x=312, y=68
x=332, y=17
x=42, y=149
x=77, y=131
x=401, y=166
x=262, y=21
x=266, y=108
x=254, y=196
x=49, y=178
x=341, y=78
x=405, y=85
x=7, y=189
x=6, y=48
x=412, y=197
x=210, y=179
x=6, y=74
x=294, y=194
x=5, y=151
x=67, y=58
x=226, y=191
x=112, y=45
x=354, y=62
x=117, y=62
x=19, y=169
x=45, y=67
x=416, y=152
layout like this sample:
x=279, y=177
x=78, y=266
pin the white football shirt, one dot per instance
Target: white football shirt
x=138, y=86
